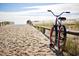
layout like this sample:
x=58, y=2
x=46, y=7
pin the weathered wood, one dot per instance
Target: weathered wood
x=72, y=32
x=43, y=30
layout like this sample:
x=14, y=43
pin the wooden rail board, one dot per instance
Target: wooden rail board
x=72, y=32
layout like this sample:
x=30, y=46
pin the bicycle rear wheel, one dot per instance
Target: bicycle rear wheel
x=58, y=39
x=63, y=35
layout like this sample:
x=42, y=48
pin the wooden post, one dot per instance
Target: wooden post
x=2, y=23
x=43, y=30
x=40, y=29
x=37, y=27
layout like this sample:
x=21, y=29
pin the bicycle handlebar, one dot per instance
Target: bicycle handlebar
x=67, y=12
x=57, y=15
x=51, y=12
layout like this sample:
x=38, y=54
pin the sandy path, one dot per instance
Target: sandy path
x=23, y=40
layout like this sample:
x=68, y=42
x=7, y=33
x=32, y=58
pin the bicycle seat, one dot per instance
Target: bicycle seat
x=62, y=18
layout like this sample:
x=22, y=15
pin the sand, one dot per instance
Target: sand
x=23, y=40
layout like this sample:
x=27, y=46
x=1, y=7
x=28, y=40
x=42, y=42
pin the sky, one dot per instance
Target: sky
x=21, y=12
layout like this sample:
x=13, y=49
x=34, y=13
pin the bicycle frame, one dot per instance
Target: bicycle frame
x=57, y=16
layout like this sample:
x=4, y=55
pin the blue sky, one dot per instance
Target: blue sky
x=21, y=12
x=12, y=7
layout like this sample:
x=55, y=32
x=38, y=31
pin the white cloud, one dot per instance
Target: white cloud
x=38, y=14
x=57, y=7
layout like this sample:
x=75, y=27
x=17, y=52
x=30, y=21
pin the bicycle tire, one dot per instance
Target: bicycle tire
x=54, y=41
x=53, y=38
x=63, y=39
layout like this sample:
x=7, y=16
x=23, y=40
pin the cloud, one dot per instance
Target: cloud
x=59, y=7
x=40, y=12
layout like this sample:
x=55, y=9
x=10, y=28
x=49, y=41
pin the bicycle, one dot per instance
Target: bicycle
x=59, y=33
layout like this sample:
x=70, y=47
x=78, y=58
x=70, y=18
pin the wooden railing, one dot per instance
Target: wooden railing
x=72, y=32
x=75, y=44
x=43, y=28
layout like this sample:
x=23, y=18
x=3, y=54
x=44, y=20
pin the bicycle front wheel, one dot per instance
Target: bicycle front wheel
x=53, y=36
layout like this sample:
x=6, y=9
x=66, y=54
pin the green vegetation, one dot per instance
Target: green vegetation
x=5, y=23
x=72, y=44
x=47, y=24
x=74, y=26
